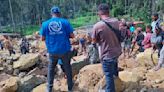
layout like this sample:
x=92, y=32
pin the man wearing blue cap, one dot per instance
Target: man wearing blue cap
x=56, y=33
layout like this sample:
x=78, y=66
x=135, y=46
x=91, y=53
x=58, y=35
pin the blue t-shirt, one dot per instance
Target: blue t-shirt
x=57, y=32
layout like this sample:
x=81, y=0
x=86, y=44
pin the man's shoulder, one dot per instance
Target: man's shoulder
x=113, y=19
x=99, y=24
x=110, y=20
x=63, y=20
x=56, y=19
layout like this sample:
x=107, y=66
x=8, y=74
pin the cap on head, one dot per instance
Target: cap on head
x=55, y=9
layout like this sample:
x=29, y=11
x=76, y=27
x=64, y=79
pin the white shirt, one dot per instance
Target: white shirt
x=153, y=24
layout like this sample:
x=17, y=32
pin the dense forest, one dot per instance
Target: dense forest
x=18, y=14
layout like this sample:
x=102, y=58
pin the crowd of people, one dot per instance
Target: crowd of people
x=109, y=39
x=111, y=36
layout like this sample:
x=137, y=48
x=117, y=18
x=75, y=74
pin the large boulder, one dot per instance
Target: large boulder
x=40, y=88
x=130, y=80
x=89, y=76
x=155, y=76
x=127, y=62
x=78, y=64
x=145, y=59
x=38, y=71
x=102, y=84
x=9, y=85
x=27, y=83
x=16, y=57
x=26, y=61
x=59, y=86
x=140, y=71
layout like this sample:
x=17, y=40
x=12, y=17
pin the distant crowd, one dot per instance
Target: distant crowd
x=134, y=37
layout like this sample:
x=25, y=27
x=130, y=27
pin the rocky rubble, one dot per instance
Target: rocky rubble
x=9, y=85
x=27, y=73
x=144, y=58
x=27, y=83
x=26, y=61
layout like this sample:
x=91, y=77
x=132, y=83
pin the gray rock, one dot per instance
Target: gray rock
x=158, y=81
x=27, y=83
x=9, y=69
x=144, y=89
x=22, y=74
x=9, y=62
x=16, y=72
x=38, y=71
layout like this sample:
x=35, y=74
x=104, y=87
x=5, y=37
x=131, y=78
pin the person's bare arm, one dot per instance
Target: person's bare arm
x=138, y=22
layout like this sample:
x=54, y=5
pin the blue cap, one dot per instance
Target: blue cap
x=55, y=9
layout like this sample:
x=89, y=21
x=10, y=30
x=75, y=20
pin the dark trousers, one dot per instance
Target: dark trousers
x=110, y=68
x=11, y=52
x=67, y=69
x=24, y=50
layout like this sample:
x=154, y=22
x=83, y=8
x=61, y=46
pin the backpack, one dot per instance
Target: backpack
x=116, y=31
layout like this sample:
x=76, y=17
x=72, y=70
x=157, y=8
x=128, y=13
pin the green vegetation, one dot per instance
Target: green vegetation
x=28, y=30
x=83, y=21
x=25, y=16
x=77, y=22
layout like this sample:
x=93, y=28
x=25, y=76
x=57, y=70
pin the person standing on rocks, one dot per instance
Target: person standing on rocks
x=82, y=44
x=8, y=45
x=139, y=38
x=92, y=53
x=161, y=57
x=156, y=21
x=126, y=44
x=147, y=40
x=24, y=46
x=56, y=33
x=1, y=44
x=110, y=46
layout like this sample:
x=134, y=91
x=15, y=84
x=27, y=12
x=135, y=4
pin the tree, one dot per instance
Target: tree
x=12, y=18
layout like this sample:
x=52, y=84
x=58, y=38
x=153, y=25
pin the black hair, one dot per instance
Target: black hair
x=104, y=8
x=149, y=26
x=155, y=15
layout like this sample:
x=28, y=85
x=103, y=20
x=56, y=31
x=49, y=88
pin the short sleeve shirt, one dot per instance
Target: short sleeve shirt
x=57, y=32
